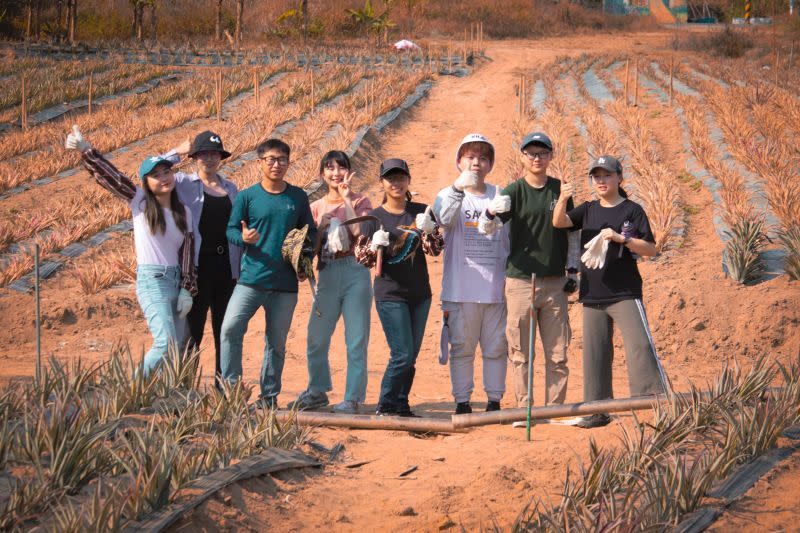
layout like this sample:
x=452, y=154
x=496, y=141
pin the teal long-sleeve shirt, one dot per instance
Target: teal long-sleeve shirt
x=273, y=216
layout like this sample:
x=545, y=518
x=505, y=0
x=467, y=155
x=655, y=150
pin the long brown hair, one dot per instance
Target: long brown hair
x=154, y=213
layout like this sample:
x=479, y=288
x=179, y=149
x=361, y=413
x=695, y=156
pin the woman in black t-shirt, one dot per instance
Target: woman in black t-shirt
x=613, y=229
x=405, y=231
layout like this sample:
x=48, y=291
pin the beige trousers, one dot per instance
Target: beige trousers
x=550, y=313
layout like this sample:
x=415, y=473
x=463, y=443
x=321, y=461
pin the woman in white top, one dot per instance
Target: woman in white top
x=162, y=233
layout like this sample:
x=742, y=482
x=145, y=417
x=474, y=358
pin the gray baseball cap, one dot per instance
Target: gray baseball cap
x=606, y=162
x=538, y=138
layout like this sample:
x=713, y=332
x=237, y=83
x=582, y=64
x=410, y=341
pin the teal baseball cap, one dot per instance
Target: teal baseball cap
x=150, y=163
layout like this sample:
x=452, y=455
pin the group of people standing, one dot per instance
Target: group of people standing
x=202, y=245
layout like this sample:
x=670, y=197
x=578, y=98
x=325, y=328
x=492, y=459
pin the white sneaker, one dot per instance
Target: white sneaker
x=346, y=406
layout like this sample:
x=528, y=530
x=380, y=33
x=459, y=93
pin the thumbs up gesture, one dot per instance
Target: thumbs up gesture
x=250, y=236
x=423, y=221
x=75, y=140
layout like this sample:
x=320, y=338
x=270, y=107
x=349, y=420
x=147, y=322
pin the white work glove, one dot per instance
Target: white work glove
x=500, y=204
x=184, y=303
x=423, y=221
x=487, y=226
x=379, y=238
x=468, y=178
x=595, y=254
x=75, y=140
x=338, y=238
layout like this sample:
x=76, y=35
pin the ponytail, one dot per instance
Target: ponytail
x=622, y=192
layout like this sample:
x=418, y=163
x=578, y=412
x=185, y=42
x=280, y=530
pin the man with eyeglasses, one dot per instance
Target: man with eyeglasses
x=536, y=248
x=262, y=216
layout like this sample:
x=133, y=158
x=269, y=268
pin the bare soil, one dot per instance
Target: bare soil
x=700, y=320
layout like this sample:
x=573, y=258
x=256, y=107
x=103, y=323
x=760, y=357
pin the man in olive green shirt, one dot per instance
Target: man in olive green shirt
x=536, y=248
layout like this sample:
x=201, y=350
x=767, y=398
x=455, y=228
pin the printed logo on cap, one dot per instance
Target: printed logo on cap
x=214, y=139
x=155, y=159
x=601, y=160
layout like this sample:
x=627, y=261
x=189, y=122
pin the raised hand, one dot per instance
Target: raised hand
x=567, y=191
x=423, y=221
x=184, y=147
x=250, y=236
x=75, y=140
x=466, y=179
x=500, y=204
x=344, y=185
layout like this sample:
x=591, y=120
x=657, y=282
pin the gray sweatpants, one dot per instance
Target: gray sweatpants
x=598, y=351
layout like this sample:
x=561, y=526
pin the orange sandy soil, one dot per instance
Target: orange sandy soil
x=771, y=505
x=700, y=319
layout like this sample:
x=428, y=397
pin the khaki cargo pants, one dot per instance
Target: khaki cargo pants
x=551, y=314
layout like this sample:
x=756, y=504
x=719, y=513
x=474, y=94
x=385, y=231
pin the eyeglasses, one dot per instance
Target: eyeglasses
x=270, y=161
x=537, y=155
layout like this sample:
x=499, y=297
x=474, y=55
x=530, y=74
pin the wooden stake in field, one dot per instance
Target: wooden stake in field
x=465, y=46
x=219, y=95
x=311, y=71
x=449, y=55
x=23, y=103
x=671, y=76
x=777, y=64
x=636, y=84
x=627, y=78
x=256, y=87
x=91, y=90
x=522, y=97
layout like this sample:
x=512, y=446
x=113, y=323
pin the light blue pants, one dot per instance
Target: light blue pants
x=157, y=289
x=344, y=289
x=278, y=310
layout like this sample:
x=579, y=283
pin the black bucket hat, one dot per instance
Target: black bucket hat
x=208, y=141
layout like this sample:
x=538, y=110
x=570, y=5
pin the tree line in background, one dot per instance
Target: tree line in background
x=228, y=22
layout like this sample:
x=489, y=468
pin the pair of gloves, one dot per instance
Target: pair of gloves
x=595, y=254
x=338, y=237
x=468, y=178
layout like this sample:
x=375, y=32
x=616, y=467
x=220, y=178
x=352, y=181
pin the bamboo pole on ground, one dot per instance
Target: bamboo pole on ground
x=23, y=103
x=627, y=79
x=91, y=90
x=388, y=423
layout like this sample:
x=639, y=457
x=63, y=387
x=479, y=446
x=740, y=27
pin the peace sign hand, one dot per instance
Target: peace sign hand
x=344, y=185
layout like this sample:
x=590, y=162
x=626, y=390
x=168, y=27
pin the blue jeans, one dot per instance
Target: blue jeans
x=404, y=325
x=157, y=289
x=344, y=289
x=278, y=310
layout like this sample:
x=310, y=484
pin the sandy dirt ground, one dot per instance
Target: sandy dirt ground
x=700, y=320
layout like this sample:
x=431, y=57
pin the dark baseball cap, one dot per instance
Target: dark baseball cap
x=208, y=141
x=606, y=162
x=390, y=165
x=538, y=138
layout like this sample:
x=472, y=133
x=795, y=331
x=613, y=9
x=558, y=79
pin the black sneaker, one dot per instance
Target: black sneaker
x=492, y=406
x=463, y=408
x=407, y=413
x=594, y=421
x=385, y=411
x=267, y=402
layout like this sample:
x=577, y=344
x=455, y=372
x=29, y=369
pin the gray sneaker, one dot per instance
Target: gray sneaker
x=309, y=400
x=346, y=406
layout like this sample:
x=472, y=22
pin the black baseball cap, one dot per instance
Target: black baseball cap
x=390, y=165
x=208, y=141
x=538, y=138
x=606, y=162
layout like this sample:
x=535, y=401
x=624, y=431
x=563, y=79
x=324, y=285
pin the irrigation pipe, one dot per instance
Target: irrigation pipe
x=569, y=409
x=389, y=423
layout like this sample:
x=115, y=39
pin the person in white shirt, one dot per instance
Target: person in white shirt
x=473, y=302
